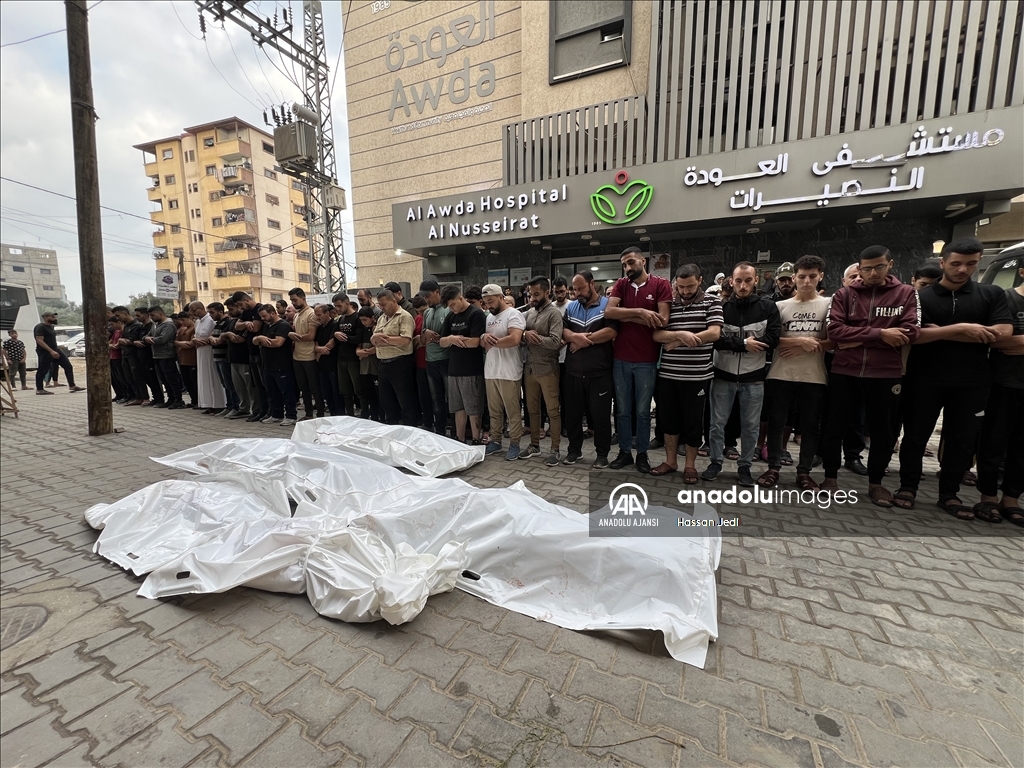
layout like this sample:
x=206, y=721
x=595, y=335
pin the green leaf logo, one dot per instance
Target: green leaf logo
x=639, y=192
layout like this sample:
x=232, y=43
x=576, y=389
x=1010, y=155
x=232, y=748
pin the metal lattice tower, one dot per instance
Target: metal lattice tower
x=327, y=253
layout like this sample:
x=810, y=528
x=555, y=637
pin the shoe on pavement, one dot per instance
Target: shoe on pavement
x=493, y=448
x=856, y=466
x=271, y=420
x=643, y=464
x=513, y=452
x=255, y=417
x=231, y=413
x=237, y=415
x=624, y=459
x=553, y=459
x=223, y=412
x=160, y=405
x=529, y=451
x=656, y=444
x=744, y=478
x=44, y=392
x=601, y=462
x=288, y=422
x=77, y=389
x=571, y=458
x=714, y=470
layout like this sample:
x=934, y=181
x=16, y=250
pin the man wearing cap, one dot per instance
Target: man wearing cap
x=437, y=356
x=503, y=369
x=403, y=302
x=785, y=284
x=50, y=354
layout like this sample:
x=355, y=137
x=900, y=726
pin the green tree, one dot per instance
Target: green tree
x=147, y=299
x=68, y=312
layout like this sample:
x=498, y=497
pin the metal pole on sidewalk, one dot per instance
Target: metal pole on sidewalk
x=90, y=238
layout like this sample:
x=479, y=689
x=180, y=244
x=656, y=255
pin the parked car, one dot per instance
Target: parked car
x=78, y=347
x=66, y=343
x=1003, y=270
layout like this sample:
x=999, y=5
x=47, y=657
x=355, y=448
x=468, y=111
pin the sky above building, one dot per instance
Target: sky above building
x=153, y=75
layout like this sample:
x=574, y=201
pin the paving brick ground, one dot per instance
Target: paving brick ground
x=871, y=651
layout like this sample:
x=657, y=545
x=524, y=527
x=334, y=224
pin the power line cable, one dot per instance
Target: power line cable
x=45, y=34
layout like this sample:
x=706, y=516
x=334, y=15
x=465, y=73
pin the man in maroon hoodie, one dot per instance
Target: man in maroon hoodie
x=869, y=321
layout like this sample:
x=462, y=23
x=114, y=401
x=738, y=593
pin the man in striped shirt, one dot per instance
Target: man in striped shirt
x=684, y=378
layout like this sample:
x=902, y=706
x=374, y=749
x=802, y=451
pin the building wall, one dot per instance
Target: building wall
x=396, y=159
x=35, y=267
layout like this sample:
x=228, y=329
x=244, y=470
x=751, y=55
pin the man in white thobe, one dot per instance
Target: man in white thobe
x=211, y=392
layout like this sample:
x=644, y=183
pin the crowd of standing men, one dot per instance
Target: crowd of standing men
x=725, y=364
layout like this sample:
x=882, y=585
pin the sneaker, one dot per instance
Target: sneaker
x=238, y=415
x=254, y=417
x=271, y=420
x=530, y=450
x=232, y=412
x=493, y=448
x=601, y=462
x=744, y=478
x=714, y=470
x=553, y=458
x=624, y=459
x=513, y=452
x=571, y=458
x=223, y=412
x=288, y=422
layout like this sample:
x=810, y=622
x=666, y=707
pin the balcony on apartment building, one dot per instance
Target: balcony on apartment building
x=229, y=245
x=234, y=175
x=152, y=170
x=234, y=151
x=160, y=253
x=240, y=225
x=238, y=200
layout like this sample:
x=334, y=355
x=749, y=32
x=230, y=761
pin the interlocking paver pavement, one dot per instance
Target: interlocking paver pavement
x=856, y=651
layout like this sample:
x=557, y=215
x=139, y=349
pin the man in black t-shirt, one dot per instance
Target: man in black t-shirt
x=325, y=348
x=347, y=333
x=460, y=334
x=1002, y=431
x=279, y=373
x=250, y=324
x=50, y=355
x=948, y=371
x=238, y=362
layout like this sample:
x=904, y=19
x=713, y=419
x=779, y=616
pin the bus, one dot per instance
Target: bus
x=19, y=311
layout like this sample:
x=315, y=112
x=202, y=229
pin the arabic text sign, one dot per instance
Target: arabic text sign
x=463, y=32
x=166, y=284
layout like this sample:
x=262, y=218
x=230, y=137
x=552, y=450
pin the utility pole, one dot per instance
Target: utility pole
x=90, y=238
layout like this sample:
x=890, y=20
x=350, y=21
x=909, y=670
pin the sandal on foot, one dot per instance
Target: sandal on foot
x=956, y=508
x=732, y=454
x=662, y=469
x=970, y=478
x=690, y=476
x=880, y=496
x=1013, y=514
x=769, y=479
x=987, y=512
x=904, y=499
x=807, y=483
x=703, y=450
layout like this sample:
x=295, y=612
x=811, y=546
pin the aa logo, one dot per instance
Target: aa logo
x=627, y=499
x=633, y=196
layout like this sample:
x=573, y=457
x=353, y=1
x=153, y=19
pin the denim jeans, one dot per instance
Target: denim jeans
x=634, y=390
x=751, y=398
x=281, y=392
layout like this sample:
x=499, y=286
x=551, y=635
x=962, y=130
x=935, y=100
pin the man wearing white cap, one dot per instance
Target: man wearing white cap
x=503, y=369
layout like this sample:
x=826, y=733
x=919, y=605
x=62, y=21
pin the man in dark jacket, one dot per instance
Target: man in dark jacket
x=870, y=320
x=752, y=327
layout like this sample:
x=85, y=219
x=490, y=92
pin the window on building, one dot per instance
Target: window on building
x=208, y=141
x=273, y=224
x=221, y=272
x=169, y=179
x=299, y=209
x=302, y=254
x=270, y=173
x=268, y=148
x=217, y=221
x=190, y=156
x=300, y=232
x=175, y=229
x=179, y=253
x=211, y=170
x=299, y=186
x=273, y=199
x=197, y=238
x=168, y=154
x=45, y=271
x=172, y=204
x=276, y=296
x=277, y=273
x=201, y=261
x=215, y=196
x=47, y=287
x=275, y=248
x=305, y=278
x=16, y=268
x=204, y=286
x=587, y=37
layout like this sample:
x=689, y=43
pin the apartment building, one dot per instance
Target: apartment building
x=224, y=218
x=35, y=267
x=497, y=139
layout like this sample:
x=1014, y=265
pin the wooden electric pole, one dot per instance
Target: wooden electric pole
x=90, y=238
